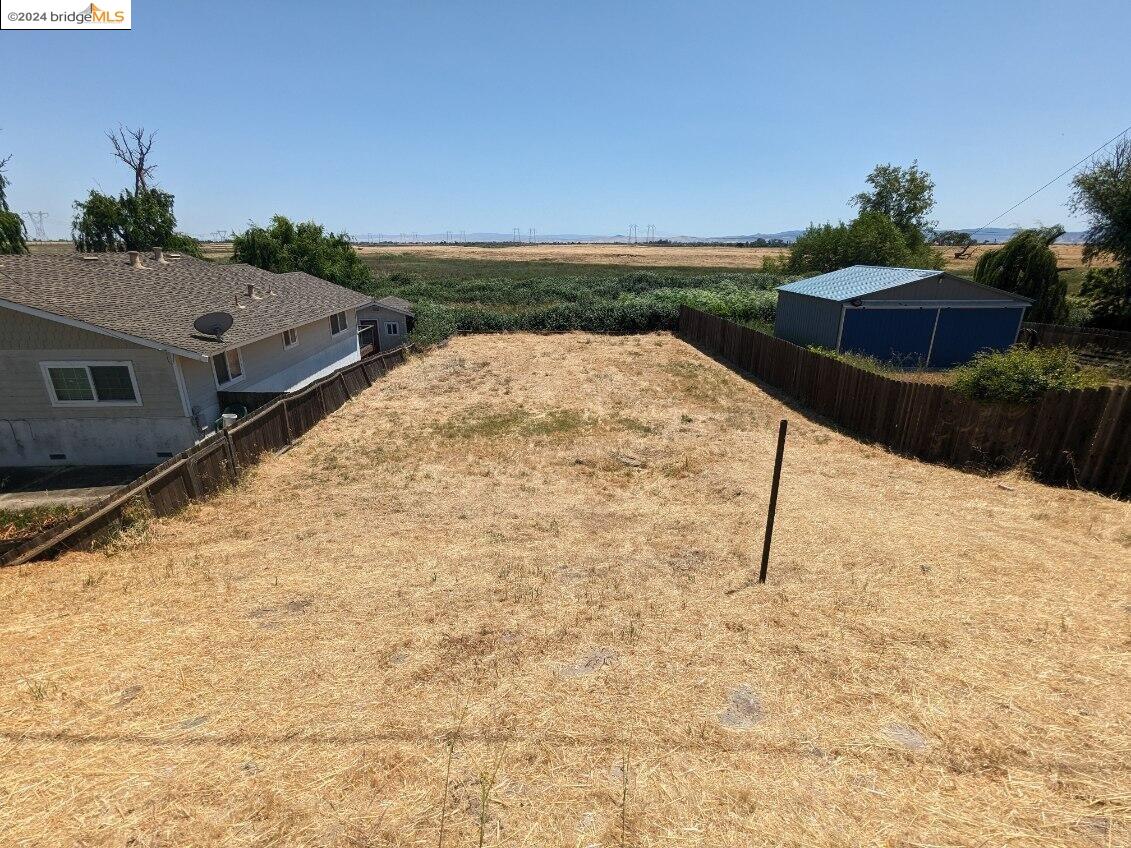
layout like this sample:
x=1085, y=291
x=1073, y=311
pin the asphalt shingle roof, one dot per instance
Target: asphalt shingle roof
x=856, y=281
x=397, y=304
x=159, y=302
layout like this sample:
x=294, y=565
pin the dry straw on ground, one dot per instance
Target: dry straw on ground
x=506, y=590
x=713, y=256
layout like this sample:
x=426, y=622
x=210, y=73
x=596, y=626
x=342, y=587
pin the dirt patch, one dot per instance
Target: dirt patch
x=744, y=709
x=591, y=663
x=907, y=737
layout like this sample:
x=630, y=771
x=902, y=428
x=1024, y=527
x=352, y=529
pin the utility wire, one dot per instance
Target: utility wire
x=1050, y=182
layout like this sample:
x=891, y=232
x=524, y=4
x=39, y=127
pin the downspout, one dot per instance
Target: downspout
x=182, y=389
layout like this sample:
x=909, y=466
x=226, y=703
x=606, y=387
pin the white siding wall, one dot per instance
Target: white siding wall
x=31, y=429
x=269, y=367
x=385, y=340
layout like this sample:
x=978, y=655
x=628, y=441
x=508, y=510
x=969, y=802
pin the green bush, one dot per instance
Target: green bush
x=870, y=239
x=1023, y=375
x=634, y=307
x=433, y=324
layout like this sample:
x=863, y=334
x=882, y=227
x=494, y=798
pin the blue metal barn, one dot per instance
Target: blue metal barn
x=903, y=315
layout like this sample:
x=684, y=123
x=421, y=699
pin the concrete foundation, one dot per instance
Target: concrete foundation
x=93, y=441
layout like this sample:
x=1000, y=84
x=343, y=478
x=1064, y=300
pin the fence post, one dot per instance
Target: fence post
x=192, y=478
x=773, y=502
x=287, y=422
x=230, y=450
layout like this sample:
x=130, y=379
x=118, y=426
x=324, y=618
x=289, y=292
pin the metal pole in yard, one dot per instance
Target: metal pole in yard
x=773, y=502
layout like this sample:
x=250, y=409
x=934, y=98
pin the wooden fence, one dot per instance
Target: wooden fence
x=1097, y=347
x=1080, y=438
x=214, y=463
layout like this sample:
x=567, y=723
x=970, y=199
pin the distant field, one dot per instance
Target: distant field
x=718, y=256
x=648, y=256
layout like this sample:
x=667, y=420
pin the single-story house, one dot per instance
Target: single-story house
x=101, y=363
x=392, y=319
x=904, y=315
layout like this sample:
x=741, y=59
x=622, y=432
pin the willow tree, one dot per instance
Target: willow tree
x=1102, y=192
x=13, y=233
x=1026, y=265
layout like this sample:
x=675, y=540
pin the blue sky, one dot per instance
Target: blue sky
x=580, y=117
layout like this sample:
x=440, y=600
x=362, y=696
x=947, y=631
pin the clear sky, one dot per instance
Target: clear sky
x=703, y=118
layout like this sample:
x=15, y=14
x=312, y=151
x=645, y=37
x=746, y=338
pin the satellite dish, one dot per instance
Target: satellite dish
x=213, y=324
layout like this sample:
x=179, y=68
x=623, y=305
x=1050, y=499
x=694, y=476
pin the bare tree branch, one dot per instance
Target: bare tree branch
x=4, y=183
x=132, y=147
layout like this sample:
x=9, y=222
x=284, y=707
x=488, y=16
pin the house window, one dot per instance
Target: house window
x=392, y=328
x=290, y=338
x=91, y=383
x=228, y=366
x=338, y=323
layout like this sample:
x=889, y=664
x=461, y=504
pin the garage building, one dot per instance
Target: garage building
x=908, y=316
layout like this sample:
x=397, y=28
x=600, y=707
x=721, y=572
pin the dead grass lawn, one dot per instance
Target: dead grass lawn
x=533, y=552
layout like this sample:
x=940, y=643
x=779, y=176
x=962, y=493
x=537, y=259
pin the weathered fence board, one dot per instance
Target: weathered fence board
x=1081, y=437
x=214, y=463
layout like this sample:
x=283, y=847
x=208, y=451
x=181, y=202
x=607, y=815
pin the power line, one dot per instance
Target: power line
x=1050, y=182
x=36, y=219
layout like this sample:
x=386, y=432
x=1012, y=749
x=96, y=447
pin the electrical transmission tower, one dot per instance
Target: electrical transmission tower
x=219, y=235
x=633, y=233
x=36, y=221
x=651, y=236
x=515, y=235
x=533, y=235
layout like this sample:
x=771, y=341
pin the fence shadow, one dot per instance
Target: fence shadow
x=1074, y=437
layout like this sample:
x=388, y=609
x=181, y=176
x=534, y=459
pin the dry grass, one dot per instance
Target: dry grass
x=681, y=256
x=506, y=590
x=627, y=255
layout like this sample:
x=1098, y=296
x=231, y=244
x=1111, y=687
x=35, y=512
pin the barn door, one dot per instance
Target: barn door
x=964, y=332
x=901, y=336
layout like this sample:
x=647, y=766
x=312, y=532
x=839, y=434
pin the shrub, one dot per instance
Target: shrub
x=628, y=313
x=871, y=239
x=433, y=324
x=1022, y=374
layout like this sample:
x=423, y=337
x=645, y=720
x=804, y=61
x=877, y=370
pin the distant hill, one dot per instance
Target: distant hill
x=992, y=235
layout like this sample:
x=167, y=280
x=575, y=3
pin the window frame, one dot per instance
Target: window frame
x=293, y=331
x=345, y=323
x=45, y=367
x=216, y=377
x=396, y=325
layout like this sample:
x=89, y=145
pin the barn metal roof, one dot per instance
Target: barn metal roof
x=857, y=281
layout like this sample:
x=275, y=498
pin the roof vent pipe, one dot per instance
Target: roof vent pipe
x=159, y=256
x=135, y=258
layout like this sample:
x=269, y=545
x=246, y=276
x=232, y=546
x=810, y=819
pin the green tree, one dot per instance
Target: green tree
x=871, y=239
x=13, y=233
x=953, y=238
x=285, y=246
x=1026, y=265
x=134, y=220
x=1102, y=192
x=905, y=195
